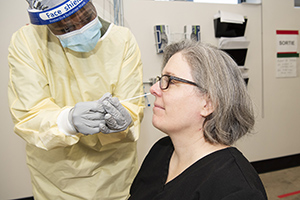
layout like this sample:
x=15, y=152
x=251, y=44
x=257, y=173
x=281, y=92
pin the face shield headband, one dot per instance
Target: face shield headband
x=56, y=13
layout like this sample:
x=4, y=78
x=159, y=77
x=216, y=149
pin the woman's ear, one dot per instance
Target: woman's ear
x=207, y=107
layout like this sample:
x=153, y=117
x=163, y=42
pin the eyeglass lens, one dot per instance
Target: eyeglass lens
x=164, y=82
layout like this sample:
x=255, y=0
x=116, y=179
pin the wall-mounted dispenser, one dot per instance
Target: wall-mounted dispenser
x=192, y=32
x=229, y=24
x=236, y=47
x=162, y=37
x=230, y=29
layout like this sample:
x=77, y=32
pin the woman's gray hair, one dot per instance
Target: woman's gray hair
x=220, y=80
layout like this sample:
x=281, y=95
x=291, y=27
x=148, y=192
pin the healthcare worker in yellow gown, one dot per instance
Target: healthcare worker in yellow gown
x=69, y=70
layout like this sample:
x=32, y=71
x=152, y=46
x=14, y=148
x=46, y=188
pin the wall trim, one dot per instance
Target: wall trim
x=275, y=164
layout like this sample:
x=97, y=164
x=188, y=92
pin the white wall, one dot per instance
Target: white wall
x=14, y=174
x=276, y=100
x=282, y=96
x=278, y=125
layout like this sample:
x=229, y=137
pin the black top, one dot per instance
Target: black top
x=223, y=175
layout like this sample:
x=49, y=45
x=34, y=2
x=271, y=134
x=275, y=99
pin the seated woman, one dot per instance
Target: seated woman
x=203, y=106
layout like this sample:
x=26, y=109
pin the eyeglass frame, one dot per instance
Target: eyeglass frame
x=170, y=78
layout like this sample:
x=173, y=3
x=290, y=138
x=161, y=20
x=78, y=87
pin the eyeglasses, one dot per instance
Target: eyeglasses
x=164, y=81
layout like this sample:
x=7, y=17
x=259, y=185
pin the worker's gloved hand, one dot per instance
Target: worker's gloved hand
x=117, y=118
x=86, y=117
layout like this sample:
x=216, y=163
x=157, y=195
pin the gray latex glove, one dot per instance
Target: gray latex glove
x=117, y=118
x=86, y=117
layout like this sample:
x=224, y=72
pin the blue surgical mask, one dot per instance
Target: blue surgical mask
x=84, y=39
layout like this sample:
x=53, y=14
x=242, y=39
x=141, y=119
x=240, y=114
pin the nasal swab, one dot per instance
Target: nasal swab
x=144, y=95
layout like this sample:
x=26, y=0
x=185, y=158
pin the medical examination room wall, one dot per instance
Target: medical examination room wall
x=276, y=100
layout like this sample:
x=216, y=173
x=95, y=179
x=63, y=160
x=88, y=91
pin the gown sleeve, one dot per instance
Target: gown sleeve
x=130, y=84
x=34, y=111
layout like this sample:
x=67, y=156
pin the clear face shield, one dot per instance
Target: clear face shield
x=61, y=16
x=74, y=22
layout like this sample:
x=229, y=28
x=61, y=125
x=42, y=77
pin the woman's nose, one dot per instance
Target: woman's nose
x=155, y=89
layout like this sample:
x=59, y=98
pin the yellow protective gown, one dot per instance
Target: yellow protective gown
x=45, y=79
